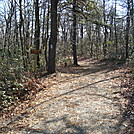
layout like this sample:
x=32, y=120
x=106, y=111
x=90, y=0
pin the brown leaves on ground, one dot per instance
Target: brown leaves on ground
x=65, y=74
x=34, y=85
x=128, y=93
x=25, y=96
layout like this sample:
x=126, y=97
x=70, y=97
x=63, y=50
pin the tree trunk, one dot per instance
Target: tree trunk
x=127, y=27
x=47, y=35
x=74, y=34
x=105, y=30
x=16, y=32
x=53, y=38
x=115, y=30
x=20, y=32
x=132, y=20
x=37, y=30
x=81, y=34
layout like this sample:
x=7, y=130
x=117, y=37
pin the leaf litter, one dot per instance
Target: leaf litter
x=77, y=99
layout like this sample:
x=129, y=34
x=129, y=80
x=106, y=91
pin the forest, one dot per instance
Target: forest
x=42, y=39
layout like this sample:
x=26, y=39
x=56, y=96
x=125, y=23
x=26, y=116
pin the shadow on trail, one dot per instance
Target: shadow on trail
x=67, y=128
x=83, y=70
x=125, y=118
x=76, y=89
x=19, y=117
x=127, y=115
x=91, y=68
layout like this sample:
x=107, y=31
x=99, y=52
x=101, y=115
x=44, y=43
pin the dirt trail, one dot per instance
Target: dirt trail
x=78, y=100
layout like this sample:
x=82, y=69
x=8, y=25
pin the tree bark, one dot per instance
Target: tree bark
x=132, y=20
x=81, y=34
x=37, y=30
x=74, y=34
x=127, y=27
x=105, y=30
x=115, y=30
x=20, y=32
x=47, y=35
x=53, y=38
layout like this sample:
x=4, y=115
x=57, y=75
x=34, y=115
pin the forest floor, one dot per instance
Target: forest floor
x=77, y=100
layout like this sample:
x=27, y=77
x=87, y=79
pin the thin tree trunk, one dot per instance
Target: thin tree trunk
x=115, y=30
x=127, y=27
x=81, y=34
x=16, y=32
x=37, y=30
x=20, y=31
x=105, y=31
x=132, y=20
x=74, y=34
x=47, y=35
x=32, y=27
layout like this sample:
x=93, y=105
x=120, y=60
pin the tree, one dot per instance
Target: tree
x=21, y=21
x=105, y=29
x=37, y=29
x=127, y=27
x=115, y=29
x=45, y=29
x=132, y=19
x=53, y=38
x=74, y=34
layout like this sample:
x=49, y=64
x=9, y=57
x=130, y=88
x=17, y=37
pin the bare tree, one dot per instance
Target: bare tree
x=127, y=27
x=132, y=19
x=74, y=34
x=105, y=29
x=53, y=38
x=115, y=29
x=37, y=30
